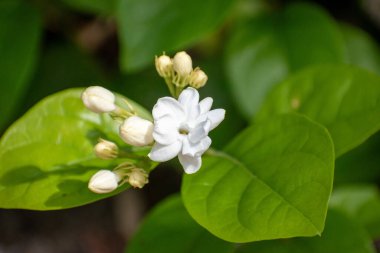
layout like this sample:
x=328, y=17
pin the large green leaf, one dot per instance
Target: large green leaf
x=345, y=99
x=169, y=229
x=46, y=157
x=148, y=27
x=341, y=235
x=361, y=203
x=361, y=49
x=265, y=50
x=261, y=187
x=20, y=32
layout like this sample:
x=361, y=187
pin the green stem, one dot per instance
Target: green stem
x=172, y=88
x=124, y=154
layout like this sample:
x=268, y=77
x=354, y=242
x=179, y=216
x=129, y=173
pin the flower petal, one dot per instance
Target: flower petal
x=168, y=106
x=189, y=99
x=200, y=131
x=216, y=116
x=190, y=164
x=195, y=149
x=163, y=153
x=166, y=130
x=205, y=105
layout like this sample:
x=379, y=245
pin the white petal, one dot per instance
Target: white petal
x=200, y=131
x=190, y=164
x=216, y=116
x=168, y=106
x=137, y=131
x=163, y=153
x=195, y=149
x=189, y=99
x=205, y=105
x=166, y=130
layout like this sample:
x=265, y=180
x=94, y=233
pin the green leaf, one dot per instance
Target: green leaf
x=341, y=235
x=169, y=228
x=345, y=99
x=104, y=7
x=265, y=50
x=261, y=188
x=20, y=33
x=149, y=27
x=361, y=203
x=46, y=157
x=361, y=49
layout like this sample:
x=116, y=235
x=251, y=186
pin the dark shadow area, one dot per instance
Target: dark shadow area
x=22, y=175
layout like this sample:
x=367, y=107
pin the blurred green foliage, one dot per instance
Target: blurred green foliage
x=20, y=34
x=266, y=49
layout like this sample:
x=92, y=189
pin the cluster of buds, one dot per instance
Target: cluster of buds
x=178, y=72
x=133, y=130
x=106, y=181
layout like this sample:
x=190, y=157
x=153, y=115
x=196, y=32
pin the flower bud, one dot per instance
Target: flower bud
x=137, y=131
x=98, y=99
x=137, y=178
x=198, y=78
x=106, y=150
x=182, y=64
x=164, y=66
x=103, y=181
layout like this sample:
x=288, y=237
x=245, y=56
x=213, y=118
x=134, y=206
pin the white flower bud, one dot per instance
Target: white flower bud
x=106, y=150
x=182, y=64
x=98, y=99
x=137, y=178
x=103, y=181
x=164, y=66
x=198, y=78
x=137, y=131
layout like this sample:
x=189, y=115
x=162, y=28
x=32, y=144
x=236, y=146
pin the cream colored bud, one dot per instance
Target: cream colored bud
x=98, y=99
x=106, y=150
x=182, y=64
x=103, y=181
x=164, y=66
x=198, y=79
x=137, y=178
x=137, y=131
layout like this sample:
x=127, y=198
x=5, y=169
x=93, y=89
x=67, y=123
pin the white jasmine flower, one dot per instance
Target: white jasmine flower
x=137, y=131
x=98, y=99
x=103, y=181
x=181, y=128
